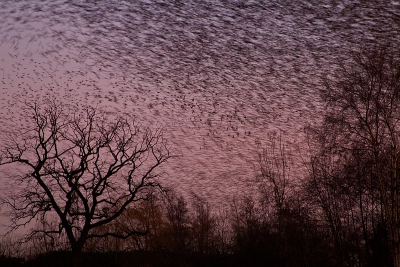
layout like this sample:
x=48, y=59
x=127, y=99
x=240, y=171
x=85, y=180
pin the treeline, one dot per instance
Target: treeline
x=297, y=230
x=330, y=218
x=340, y=208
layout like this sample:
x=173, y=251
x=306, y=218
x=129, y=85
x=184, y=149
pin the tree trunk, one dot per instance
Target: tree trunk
x=396, y=252
x=77, y=254
x=76, y=258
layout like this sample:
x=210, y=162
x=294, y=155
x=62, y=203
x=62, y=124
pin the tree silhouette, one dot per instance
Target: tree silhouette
x=363, y=118
x=85, y=166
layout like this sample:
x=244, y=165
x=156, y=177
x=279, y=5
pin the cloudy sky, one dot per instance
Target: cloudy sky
x=219, y=76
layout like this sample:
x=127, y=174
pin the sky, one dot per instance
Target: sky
x=220, y=77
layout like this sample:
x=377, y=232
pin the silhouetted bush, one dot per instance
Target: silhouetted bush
x=10, y=261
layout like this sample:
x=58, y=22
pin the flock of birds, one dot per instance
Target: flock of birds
x=219, y=76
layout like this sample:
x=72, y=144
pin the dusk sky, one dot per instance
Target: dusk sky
x=219, y=76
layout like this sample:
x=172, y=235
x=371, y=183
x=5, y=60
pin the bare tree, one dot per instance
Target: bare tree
x=177, y=214
x=203, y=226
x=275, y=174
x=85, y=166
x=363, y=104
